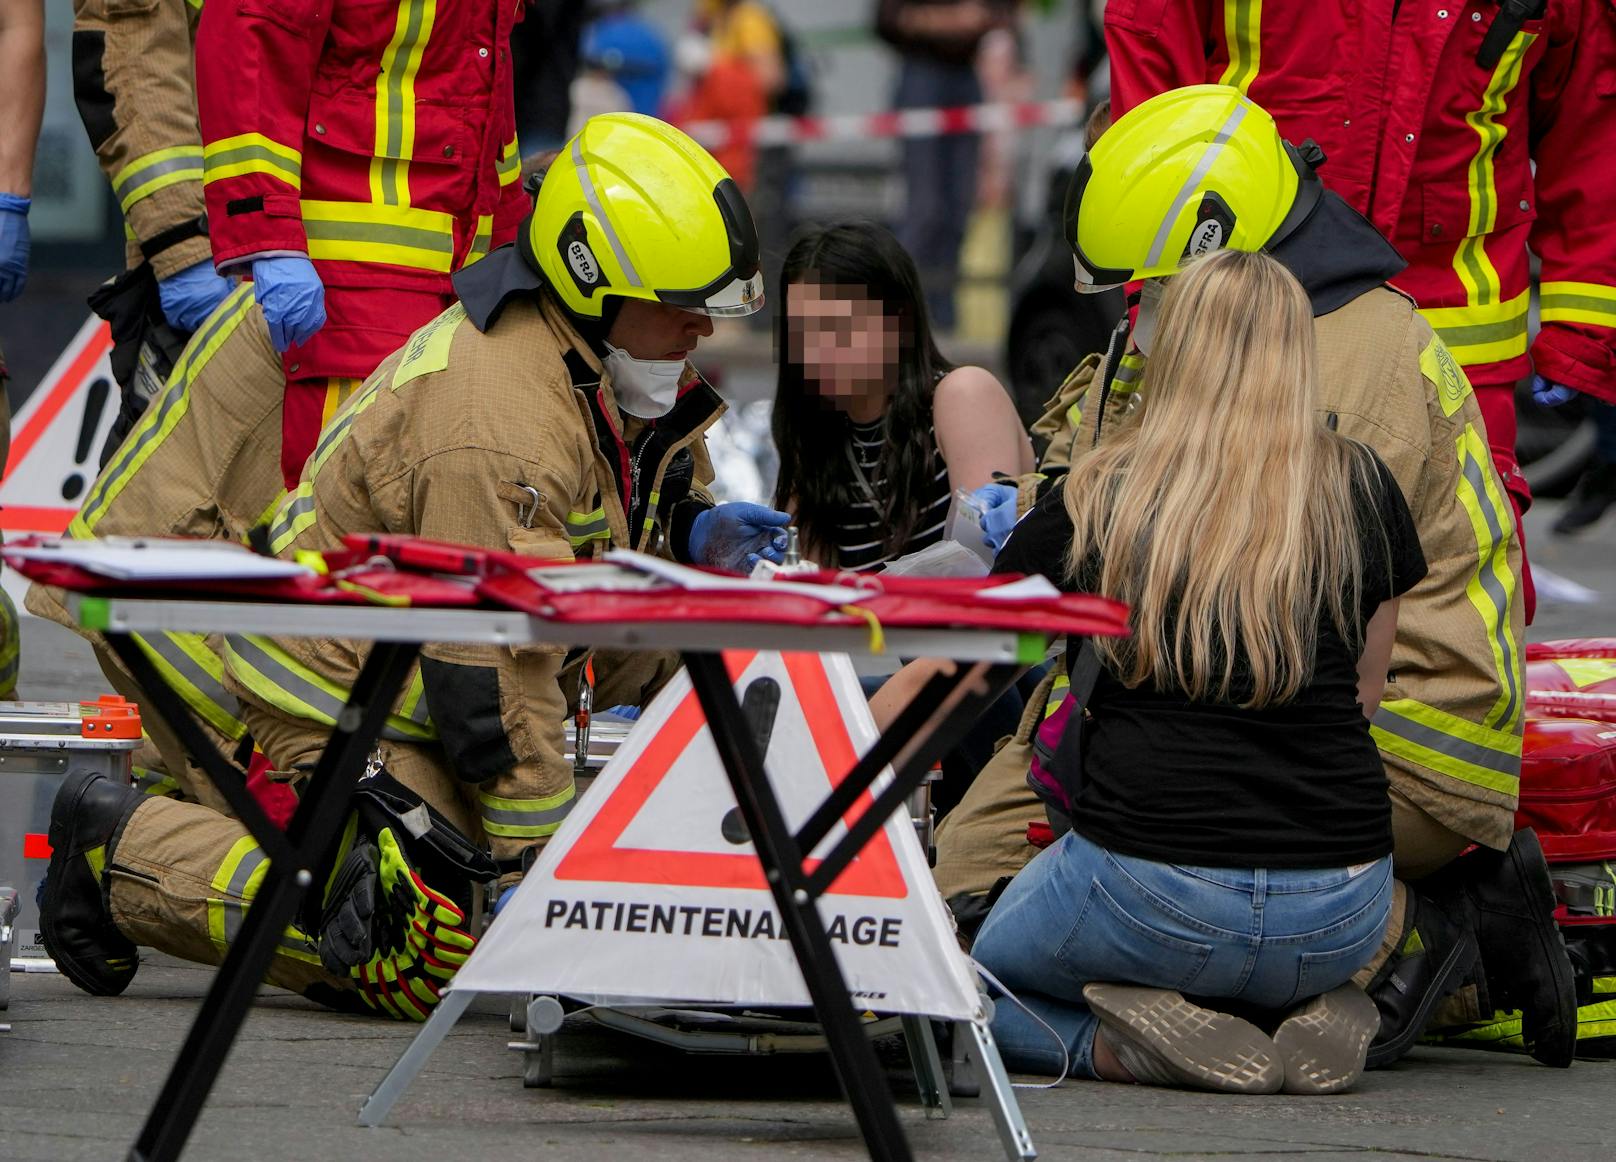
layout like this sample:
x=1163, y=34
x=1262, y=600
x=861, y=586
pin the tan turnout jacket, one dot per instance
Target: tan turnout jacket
x=451, y=438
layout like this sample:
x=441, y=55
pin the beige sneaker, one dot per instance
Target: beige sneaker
x=1163, y=1039
x=1324, y=1042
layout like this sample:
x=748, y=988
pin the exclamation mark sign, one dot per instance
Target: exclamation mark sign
x=759, y=706
x=94, y=404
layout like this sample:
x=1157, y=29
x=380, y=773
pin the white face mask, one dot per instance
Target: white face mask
x=645, y=388
x=1144, y=327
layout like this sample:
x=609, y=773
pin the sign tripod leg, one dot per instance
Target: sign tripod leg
x=928, y=1067
x=380, y=1103
x=1001, y=1095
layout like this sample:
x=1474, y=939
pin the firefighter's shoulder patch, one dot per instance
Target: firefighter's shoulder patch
x=1439, y=366
x=428, y=349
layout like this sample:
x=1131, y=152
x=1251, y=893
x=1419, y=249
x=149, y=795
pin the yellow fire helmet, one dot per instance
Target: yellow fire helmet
x=635, y=208
x=1185, y=173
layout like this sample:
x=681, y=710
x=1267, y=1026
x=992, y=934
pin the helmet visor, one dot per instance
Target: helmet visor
x=731, y=297
x=1092, y=278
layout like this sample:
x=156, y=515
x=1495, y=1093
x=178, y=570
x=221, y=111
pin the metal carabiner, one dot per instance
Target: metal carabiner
x=581, y=721
x=526, y=512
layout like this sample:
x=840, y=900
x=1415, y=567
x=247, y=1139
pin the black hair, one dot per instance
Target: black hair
x=811, y=436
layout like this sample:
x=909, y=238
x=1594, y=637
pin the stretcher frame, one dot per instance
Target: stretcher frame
x=936, y=718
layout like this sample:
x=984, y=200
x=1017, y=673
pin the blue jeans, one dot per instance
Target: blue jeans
x=1605, y=431
x=940, y=175
x=1255, y=937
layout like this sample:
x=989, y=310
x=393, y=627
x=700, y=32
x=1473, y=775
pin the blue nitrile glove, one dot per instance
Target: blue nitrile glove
x=998, y=503
x=14, y=245
x=190, y=296
x=734, y=536
x=1546, y=393
x=632, y=713
x=504, y=898
x=292, y=298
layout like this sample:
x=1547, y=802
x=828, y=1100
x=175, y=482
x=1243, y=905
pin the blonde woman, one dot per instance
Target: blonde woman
x=1231, y=834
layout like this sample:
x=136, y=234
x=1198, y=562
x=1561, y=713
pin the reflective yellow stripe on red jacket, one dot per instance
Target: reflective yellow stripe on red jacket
x=1488, y=329
x=1587, y=303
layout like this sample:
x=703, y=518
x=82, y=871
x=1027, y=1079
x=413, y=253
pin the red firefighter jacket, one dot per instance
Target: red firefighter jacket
x=1435, y=148
x=378, y=137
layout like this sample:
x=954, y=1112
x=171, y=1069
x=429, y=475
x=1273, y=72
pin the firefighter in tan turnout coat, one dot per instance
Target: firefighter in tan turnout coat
x=1450, y=722
x=550, y=412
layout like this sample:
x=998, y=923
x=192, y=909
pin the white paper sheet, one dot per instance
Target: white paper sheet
x=1034, y=588
x=164, y=560
x=697, y=581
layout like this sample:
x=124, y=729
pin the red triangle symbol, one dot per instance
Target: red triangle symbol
x=597, y=856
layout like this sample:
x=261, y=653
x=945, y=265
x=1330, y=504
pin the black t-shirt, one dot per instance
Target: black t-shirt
x=1207, y=783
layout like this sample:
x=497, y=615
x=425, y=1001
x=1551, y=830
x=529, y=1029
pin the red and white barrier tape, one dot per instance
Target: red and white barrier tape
x=781, y=130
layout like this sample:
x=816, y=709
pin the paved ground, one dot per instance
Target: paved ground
x=76, y=1073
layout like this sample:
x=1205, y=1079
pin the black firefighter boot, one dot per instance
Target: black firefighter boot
x=74, y=918
x=1524, y=964
x=1435, y=953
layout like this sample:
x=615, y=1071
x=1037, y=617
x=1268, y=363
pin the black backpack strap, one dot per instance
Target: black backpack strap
x=1067, y=763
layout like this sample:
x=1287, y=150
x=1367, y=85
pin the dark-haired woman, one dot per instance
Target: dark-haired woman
x=874, y=427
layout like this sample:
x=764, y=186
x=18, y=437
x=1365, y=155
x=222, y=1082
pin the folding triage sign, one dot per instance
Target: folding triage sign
x=652, y=891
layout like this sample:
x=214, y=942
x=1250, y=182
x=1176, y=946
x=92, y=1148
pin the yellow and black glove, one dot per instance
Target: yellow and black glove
x=399, y=940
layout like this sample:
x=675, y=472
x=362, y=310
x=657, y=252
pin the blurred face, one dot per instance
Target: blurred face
x=844, y=342
x=656, y=331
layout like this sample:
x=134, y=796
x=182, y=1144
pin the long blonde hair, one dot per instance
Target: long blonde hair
x=1222, y=509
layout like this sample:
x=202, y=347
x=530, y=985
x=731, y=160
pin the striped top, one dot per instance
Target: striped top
x=858, y=538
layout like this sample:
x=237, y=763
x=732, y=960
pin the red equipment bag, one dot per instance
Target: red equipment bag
x=1568, y=795
x=1568, y=772
x=1575, y=679
x=1568, y=788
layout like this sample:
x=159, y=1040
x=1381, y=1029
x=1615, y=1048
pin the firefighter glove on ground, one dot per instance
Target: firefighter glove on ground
x=734, y=536
x=1547, y=393
x=998, y=503
x=14, y=245
x=420, y=942
x=190, y=296
x=292, y=298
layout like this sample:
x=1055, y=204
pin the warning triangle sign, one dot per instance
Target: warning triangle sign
x=658, y=826
x=651, y=889
x=56, y=439
x=56, y=436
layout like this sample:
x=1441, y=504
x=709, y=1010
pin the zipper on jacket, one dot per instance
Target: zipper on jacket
x=636, y=501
